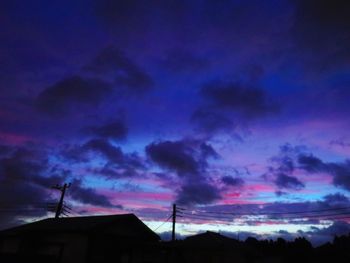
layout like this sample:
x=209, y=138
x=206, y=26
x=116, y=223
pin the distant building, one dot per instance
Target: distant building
x=211, y=247
x=92, y=239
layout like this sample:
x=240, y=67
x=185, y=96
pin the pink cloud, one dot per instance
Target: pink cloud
x=139, y=199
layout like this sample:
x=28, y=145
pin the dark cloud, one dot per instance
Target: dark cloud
x=280, y=193
x=26, y=177
x=288, y=182
x=337, y=199
x=118, y=164
x=113, y=154
x=208, y=151
x=104, y=148
x=248, y=101
x=69, y=92
x=176, y=155
x=228, y=106
x=291, y=158
x=282, y=172
x=197, y=193
x=24, y=185
x=115, y=171
x=311, y=163
x=88, y=195
x=126, y=72
x=115, y=130
x=188, y=158
x=232, y=181
x=340, y=171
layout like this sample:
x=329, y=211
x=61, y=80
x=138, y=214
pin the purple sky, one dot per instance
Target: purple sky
x=222, y=106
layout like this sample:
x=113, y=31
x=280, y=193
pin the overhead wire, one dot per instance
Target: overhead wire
x=162, y=223
x=268, y=213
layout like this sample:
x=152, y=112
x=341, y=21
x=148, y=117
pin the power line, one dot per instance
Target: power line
x=269, y=213
x=162, y=223
x=282, y=217
x=332, y=216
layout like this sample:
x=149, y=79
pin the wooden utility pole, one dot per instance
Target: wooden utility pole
x=174, y=222
x=59, y=207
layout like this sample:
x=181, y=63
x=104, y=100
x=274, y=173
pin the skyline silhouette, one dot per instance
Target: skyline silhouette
x=235, y=111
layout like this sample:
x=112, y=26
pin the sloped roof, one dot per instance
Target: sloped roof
x=120, y=223
x=210, y=238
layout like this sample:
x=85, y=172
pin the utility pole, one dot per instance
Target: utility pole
x=59, y=208
x=174, y=222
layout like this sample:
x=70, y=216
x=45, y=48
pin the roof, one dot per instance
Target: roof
x=123, y=224
x=210, y=238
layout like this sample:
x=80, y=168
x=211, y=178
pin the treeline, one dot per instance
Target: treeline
x=217, y=248
x=299, y=250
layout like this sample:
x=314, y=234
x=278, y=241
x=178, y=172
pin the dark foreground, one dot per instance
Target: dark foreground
x=126, y=239
x=195, y=249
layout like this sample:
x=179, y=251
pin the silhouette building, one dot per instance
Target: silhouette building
x=112, y=238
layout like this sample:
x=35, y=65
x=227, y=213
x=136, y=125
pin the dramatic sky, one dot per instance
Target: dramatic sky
x=237, y=111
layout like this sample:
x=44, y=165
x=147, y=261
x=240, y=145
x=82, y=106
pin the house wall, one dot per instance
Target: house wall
x=9, y=245
x=48, y=248
x=74, y=247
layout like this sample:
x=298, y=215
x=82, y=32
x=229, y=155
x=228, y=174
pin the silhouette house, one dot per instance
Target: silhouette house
x=212, y=247
x=112, y=238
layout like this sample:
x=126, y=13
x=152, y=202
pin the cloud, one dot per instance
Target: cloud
x=113, y=154
x=340, y=170
x=311, y=163
x=107, y=150
x=118, y=164
x=67, y=93
x=282, y=172
x=337, y=199
x=26, y=177
x=291, y=158
x=341, y=173
x=284, y=181
x=227, y=106
x=197, y=193
x=88, y=195
x=126, y=72
x=232, y=181
x=176, y=155
x=115, y=130
x=189, y=160
x=24, y=185
x=248, y=101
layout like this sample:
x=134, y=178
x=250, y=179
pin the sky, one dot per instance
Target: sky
x=237, y=111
